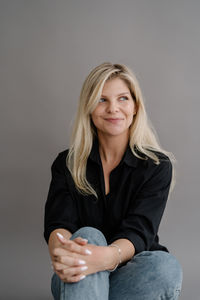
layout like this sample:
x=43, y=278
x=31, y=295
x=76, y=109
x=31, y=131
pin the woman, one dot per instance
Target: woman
x=107, y=196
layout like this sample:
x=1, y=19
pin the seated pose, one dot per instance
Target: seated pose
x=107, y=196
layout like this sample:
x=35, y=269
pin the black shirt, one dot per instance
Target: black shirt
x=132, y=210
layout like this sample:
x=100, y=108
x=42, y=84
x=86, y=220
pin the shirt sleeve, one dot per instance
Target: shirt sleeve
x=141, y=224
x=60, y=208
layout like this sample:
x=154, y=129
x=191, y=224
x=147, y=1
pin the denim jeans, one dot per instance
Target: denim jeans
x=149, y=275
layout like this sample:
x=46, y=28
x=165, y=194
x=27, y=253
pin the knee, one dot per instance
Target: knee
x=93, y=235
x=168, y=267
x=166, y=273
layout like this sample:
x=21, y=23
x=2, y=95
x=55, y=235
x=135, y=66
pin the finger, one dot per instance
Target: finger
x=61, y=237
x=61, y=262
x=69, y=272
x=72, y=246
x=61, y=251
x=80, y=241
x=72, y=279
x=72, y=274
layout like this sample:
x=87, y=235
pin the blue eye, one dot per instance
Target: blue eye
x=125, y=98
x=101, y=100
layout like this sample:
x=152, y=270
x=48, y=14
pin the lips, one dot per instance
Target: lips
x=113, y=120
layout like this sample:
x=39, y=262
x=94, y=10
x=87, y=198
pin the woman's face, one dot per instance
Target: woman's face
x=115, y=110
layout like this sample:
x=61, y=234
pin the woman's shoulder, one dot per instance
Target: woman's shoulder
x=161, y=156
x=63, y=153
x=162, y=166
x=151, y=155
x=60, y=159
x=162, y=169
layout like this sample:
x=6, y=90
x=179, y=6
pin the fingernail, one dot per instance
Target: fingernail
x=82, y=277
x=60, y=235
x=88, y=251
x=81, y=262
x=84, y=268
x=85, y=240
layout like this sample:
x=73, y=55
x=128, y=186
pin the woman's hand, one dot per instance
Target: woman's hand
x=74, y=259
x=65, y=258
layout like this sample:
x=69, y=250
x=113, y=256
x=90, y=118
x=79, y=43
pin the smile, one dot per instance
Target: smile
x=113, y=120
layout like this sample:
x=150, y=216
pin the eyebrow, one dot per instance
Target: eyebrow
x=118, y=94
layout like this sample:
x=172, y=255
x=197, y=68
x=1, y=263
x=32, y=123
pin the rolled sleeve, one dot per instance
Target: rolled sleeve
x=60, y=208
x=142, y=221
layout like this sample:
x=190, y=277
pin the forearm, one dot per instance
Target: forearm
x=108, y=257
x=53, y=240
x=111, y=256
x=101, y=258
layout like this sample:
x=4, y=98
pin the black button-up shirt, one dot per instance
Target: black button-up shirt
x=132, y=210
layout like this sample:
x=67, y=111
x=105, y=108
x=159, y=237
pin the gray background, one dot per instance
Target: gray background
x=47, y=48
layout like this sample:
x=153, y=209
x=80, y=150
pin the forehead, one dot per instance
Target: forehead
x=115, y=86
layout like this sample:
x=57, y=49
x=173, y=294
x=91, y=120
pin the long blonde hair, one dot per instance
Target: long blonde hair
x=142, y=135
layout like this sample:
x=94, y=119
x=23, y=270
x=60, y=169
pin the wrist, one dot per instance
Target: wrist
x=116, y=246
x=113, y=257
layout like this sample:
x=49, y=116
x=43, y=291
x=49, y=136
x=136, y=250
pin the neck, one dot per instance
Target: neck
x=112, y=149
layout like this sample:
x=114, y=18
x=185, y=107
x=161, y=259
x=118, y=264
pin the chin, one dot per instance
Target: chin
x=115, y=133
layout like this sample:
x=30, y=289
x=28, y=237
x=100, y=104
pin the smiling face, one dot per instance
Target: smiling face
x=114, y=113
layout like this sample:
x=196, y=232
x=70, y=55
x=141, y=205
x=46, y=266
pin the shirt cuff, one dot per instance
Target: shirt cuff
x=134, y=238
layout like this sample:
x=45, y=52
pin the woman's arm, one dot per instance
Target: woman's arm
x=141, y=224
x=107, y=258
x=127, y=252
x=60, y=208
x=72, y=261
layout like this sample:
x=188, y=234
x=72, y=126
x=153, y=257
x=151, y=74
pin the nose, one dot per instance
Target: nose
x=112, y=107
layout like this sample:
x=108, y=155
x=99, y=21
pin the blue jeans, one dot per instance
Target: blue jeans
x=149, y=275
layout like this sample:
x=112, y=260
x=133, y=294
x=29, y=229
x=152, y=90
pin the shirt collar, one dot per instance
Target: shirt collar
x=129, y=158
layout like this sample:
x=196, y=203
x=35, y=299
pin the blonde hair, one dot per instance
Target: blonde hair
x=142, y=135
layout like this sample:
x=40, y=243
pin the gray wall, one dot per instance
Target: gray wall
x=47, y=48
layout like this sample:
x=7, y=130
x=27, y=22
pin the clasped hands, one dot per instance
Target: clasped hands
x=74, y=259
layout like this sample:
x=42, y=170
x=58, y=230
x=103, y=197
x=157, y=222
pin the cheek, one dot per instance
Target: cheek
x=130, y=120
x=130, y=113
x=96, y=113
x=130, y=109
x=95, y=117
